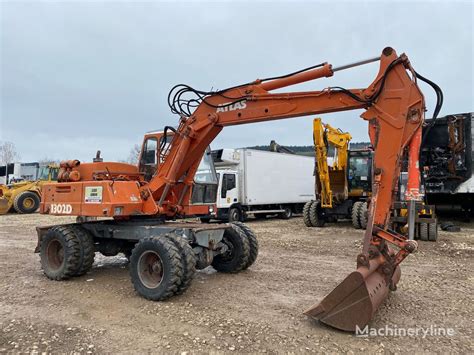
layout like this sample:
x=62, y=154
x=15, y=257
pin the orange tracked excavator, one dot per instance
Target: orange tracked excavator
x=143, y=201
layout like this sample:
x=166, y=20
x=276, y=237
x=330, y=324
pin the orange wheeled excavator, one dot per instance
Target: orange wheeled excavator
x=172, y=180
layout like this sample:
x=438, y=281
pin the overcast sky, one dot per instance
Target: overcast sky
x=87, y=75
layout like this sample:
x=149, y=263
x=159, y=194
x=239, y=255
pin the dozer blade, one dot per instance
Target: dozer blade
x=355, y=300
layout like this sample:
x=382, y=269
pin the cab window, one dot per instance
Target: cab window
x=149, y=152
x=148, y=158
x=228, y=183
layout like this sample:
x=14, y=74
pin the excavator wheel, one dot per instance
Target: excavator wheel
x=60, y=253
x=362, y=215
x=423, y=231
x=433, y=231
x=253, y=242
x=237, y=255
x=26, y=202
x=87, y=250
x=315, y=215
x=306, y=218
x=188, y=259
x=156, y=268
x=355, y=215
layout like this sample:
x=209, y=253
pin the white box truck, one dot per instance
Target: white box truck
x=16, y=172
x=261, y=183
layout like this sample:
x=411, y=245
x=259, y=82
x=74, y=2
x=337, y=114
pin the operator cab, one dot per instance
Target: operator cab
x=48, y=173
x=360, y=172
x=205, y=181
x=153, y=153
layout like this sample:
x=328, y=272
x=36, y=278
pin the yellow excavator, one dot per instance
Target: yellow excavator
x=342, y=189
x=25, y=196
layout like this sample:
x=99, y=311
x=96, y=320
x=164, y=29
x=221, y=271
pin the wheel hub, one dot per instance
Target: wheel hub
x=55, y=253
x=28, y=202
x=150, y=269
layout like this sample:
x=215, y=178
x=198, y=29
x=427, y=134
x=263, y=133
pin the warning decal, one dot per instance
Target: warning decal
x=93, y=194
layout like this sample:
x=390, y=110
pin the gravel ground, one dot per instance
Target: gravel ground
x=259, y=310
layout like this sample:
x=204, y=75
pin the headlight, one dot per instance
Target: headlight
x=211, y=209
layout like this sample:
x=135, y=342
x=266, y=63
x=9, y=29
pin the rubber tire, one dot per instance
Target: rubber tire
x=306, y=216
x=172, y=268
x=362, y=215
x=20, y=198
x=355, y=215
x=287, y=214
x=316, y=220
x=188, y=259
x=71, y=246
x=235, y=215
x=253, y=243
x=433, y=231
x=205, y=220
x=87, y=253
x=424, y=231
x=236, y=259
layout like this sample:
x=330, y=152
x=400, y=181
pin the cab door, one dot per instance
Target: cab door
x=148, y=158
x=228, y=189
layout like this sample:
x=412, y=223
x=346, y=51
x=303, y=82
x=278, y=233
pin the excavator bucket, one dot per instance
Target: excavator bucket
x=355, y=300
x=5, y=203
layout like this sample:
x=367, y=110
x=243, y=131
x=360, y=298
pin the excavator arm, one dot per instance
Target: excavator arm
x=323, y=184
x=394, y=109
x=339, y=140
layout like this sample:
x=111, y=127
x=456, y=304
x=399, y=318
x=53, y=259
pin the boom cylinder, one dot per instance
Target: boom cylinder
x=356, y=64
x=324, y=71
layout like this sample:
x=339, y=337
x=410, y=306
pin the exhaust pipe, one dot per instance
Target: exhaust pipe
x=353, y=303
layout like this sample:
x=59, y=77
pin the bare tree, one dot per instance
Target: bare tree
x=134, y=154
x=48, y=161
x=8, y=153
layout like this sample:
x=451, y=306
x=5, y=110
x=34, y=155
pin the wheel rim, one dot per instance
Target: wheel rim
x=235, y=215
x=229, y=253
x=55, y=253
x=150, y=269
x=28, y=202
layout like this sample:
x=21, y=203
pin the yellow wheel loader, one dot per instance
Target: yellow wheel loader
x=25, y=196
